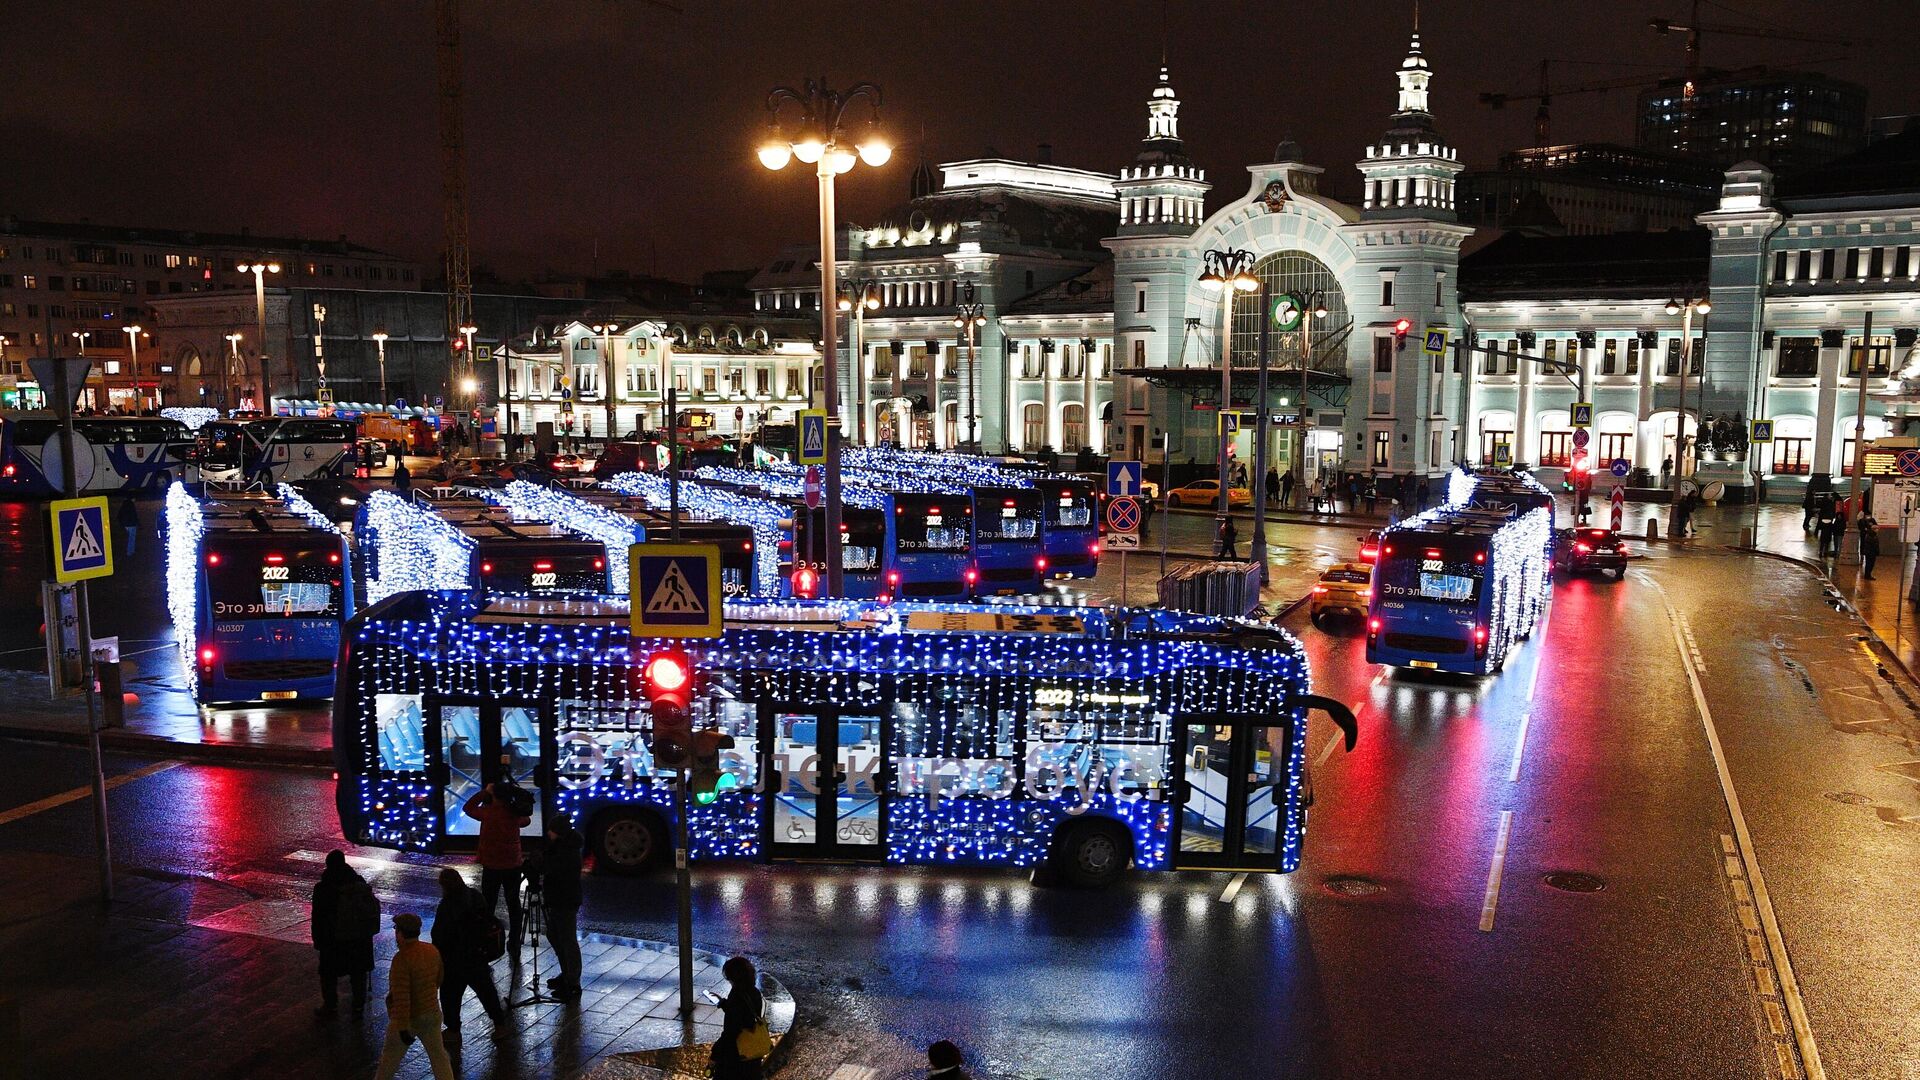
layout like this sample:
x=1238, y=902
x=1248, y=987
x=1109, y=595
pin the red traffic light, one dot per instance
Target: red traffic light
x=805, y=583
x=668, y=674
x=668, y=680
x=1401, y=326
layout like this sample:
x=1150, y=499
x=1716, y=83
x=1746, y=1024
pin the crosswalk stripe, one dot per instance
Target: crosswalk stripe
x=65, y=797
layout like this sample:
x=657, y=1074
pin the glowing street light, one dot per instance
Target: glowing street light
x=1227, y=272
x=380, y=345
x=260, y=270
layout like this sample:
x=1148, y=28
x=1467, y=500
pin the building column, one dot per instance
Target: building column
x=1047, y=392
x=1523, y=448
x=1826, y=411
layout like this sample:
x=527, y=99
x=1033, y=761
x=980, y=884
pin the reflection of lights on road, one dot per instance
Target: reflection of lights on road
x=732, y=891
x=826, y=894
x=907, y=895
x=1280, y=888
x=953, y=894
x=1150, y=902
x=866, y=895
x=1197, y=904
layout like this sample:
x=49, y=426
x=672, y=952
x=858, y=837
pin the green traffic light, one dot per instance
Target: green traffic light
x=727, y=780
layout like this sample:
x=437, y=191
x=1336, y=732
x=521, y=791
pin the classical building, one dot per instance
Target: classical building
x=91, y=283
x=1374, y=400
x=1793, y=272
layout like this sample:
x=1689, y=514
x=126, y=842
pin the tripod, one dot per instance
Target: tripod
x=536, y=917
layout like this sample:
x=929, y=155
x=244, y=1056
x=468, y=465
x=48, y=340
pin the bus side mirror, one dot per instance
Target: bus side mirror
x=1341, y=716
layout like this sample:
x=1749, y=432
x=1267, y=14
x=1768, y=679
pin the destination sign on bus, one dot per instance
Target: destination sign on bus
x=991, y=623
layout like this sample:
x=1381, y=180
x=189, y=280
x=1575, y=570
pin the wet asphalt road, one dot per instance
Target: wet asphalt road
x=1370, y=961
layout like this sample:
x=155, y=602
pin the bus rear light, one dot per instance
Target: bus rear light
x=1433, y=553
x=973, y=575
x=486, y=568
x=9, y=471
x=1479, y=556
x=333, y=557
x=599, y=564
x=276, y=560
x=1094, y=549
x=213, y=558
x=746, y=545
x=893, y=577
x=785, y=544
x=1040, y=563
x=543, y=567
x=1479, y=641
x=1388, y=549
x=1009, y=502
x=207, y=656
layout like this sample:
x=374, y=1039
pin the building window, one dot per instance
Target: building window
x=1439, y=287
x=709, y=381
x=1139, y=352
x=1073, y=363
x=1031, y=364
x=1382, y=355
x=1633, y=356
x=1073, y=427
x=762, y=382
x=1882, y=349
x=917, y=362
x=173, y=262
x=1615, y=446
x=1556, y=448
x=1382, y=449
x=883, y=362
x=1034, y=417
x=1792, y=457
x=1610, y=357
x=1799, y=358
x=1140, y=299
x=29, y=281
x=1693, y=356
x=1386, y=292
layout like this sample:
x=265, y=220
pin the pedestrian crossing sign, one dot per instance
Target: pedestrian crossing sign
x=674, y=590
x=1229, y=424
x=1436, y=342
x=1582, y=414
x=82, y=547
x=1762, y=431
x=813, y=436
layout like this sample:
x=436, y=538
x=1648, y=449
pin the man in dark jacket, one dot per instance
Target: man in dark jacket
x=346, y=919
x=457, y=933
x=402, y=479
x=560, y=884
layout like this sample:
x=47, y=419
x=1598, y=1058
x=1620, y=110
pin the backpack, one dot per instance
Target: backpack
x=489, y=934
x=358, y=913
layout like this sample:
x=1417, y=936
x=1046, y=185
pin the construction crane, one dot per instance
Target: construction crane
x=1542, y=117
x=453, y=195
x=1693, y=28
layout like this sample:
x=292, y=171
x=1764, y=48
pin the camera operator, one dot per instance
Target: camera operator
x=560, y=881
x=502, y=811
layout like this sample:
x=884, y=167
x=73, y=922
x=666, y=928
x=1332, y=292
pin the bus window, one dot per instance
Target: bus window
x=1266, y=790
x=520, y=758
x=1008, y=521
x=1430, y=574
x=601, y=743
x=953, y=747
x=1203, y=820
x=275, y=584
x=460, y=753
x=796, y=749
x=857, y=816
x=397, y=726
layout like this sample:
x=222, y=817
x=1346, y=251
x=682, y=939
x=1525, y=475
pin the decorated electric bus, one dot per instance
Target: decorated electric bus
x=1458, y=587
x=1080, y=740
x=111, y=453
x=258, y=586
x=465, y=542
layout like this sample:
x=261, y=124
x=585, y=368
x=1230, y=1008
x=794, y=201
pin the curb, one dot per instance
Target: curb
x=153, y=746
x=1884, y=652
x=1359, y=523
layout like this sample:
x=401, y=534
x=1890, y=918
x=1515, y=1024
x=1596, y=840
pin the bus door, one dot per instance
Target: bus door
x=471, y=744
x=824, y=770
x=1233, y=801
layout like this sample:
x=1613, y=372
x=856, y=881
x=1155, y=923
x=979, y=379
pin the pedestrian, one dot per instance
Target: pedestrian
x=1286, y=490
x=499, y=856
x=1229, y=538
x=130, y=521
x=1373, y=494
x=1688, y=504
x=944, y=1061
x=741, y=1051
x=345, y=920
x=1421, y=493
x=402, y=479
x=1666, y=469
x=1273, y=485
x=1837, y=529
x=1869, y=527
x=413, y=1004
x=560, y=885
x=1313, y=494
x=1809, y=509
x=463, y=930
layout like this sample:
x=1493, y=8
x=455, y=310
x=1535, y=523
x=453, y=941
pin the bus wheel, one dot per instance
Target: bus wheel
x=1092, y=853
x=627, y=841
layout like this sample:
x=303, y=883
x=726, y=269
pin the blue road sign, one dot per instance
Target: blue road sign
x=1436, y=342
x=82, y=547
x=1582, y=414
x=813, y=437
x=1123, y=477
x=1620, y=467
x=674, y=590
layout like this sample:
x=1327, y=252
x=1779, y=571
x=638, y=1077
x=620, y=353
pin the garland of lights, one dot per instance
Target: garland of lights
x=194, y=416
x=298, y=503
x=184, y=528
x=768, y=519
x=409, y=547
x=1167, y=666
x=614, y=531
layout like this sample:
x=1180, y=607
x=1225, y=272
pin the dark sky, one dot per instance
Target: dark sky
x=627, y=127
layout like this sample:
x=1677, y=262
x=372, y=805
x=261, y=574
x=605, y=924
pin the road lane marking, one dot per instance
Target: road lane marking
x=1519, y=748
x=1492, y=902
x=1233, y=888
x=65, y=797
x=1743, y=843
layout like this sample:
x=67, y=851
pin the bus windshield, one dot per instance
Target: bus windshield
x=931, y=524
x=267, y=580
x=1440, y=569
x=1070, y=506
x=1008, y=517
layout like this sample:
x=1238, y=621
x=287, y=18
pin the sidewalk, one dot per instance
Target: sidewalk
x=202, y=977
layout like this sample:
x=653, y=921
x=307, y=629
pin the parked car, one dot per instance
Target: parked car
x=1343, y=589
x=1577, y=551
x=567, y=464
x=1370, y=546
x=1206, y=493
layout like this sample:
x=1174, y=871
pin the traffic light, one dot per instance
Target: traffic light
x=1582, y=467
x=806, y=583
x=707, y=781
x=1400, y=329
x=668, y=675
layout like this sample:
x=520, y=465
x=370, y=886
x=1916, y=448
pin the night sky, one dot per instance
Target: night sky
x=620, y=133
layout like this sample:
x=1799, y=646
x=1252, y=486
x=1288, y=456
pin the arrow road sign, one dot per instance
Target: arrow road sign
x=82, y=547
x=1123, y=477
x=1620, y=468
x=813, y=437
x=674, y=590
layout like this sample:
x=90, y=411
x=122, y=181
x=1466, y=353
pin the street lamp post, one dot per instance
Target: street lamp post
x=380, y=346
x=81, y=336
x=1226, y=272
x=1685, y=309
x=133, y=333
x=606, y=332
x=972, y=316
x=233, y=368
x=469, y=385
x=861, y=297
x=820, y=140
x=260, y=270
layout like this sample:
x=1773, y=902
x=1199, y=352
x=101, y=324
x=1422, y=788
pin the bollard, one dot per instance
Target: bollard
x=1746, y=536
x=112, y=700
x=1653, y=528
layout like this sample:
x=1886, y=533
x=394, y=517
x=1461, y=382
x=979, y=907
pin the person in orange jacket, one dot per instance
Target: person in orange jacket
x=413, y=1002
x=500, y=858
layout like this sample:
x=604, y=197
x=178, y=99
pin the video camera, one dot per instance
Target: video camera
x=517, y=799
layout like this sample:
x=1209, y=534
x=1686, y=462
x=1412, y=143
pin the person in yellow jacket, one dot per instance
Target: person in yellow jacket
x=413, y=1001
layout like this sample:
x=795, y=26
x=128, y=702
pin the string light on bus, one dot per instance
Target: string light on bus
x=410, y=547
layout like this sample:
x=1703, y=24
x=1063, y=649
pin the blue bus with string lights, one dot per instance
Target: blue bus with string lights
x=1073, y=742
x=1070, y=527
x=1458, y=587
x=258, y=586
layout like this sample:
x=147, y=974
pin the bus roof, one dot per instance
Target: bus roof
x=231, y=514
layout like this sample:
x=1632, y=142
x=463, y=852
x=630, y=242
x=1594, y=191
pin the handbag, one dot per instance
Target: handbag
x=755, y=1042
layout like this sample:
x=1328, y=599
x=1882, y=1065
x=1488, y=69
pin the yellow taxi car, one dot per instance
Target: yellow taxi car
x=1205, y=494
x=1343, y=589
